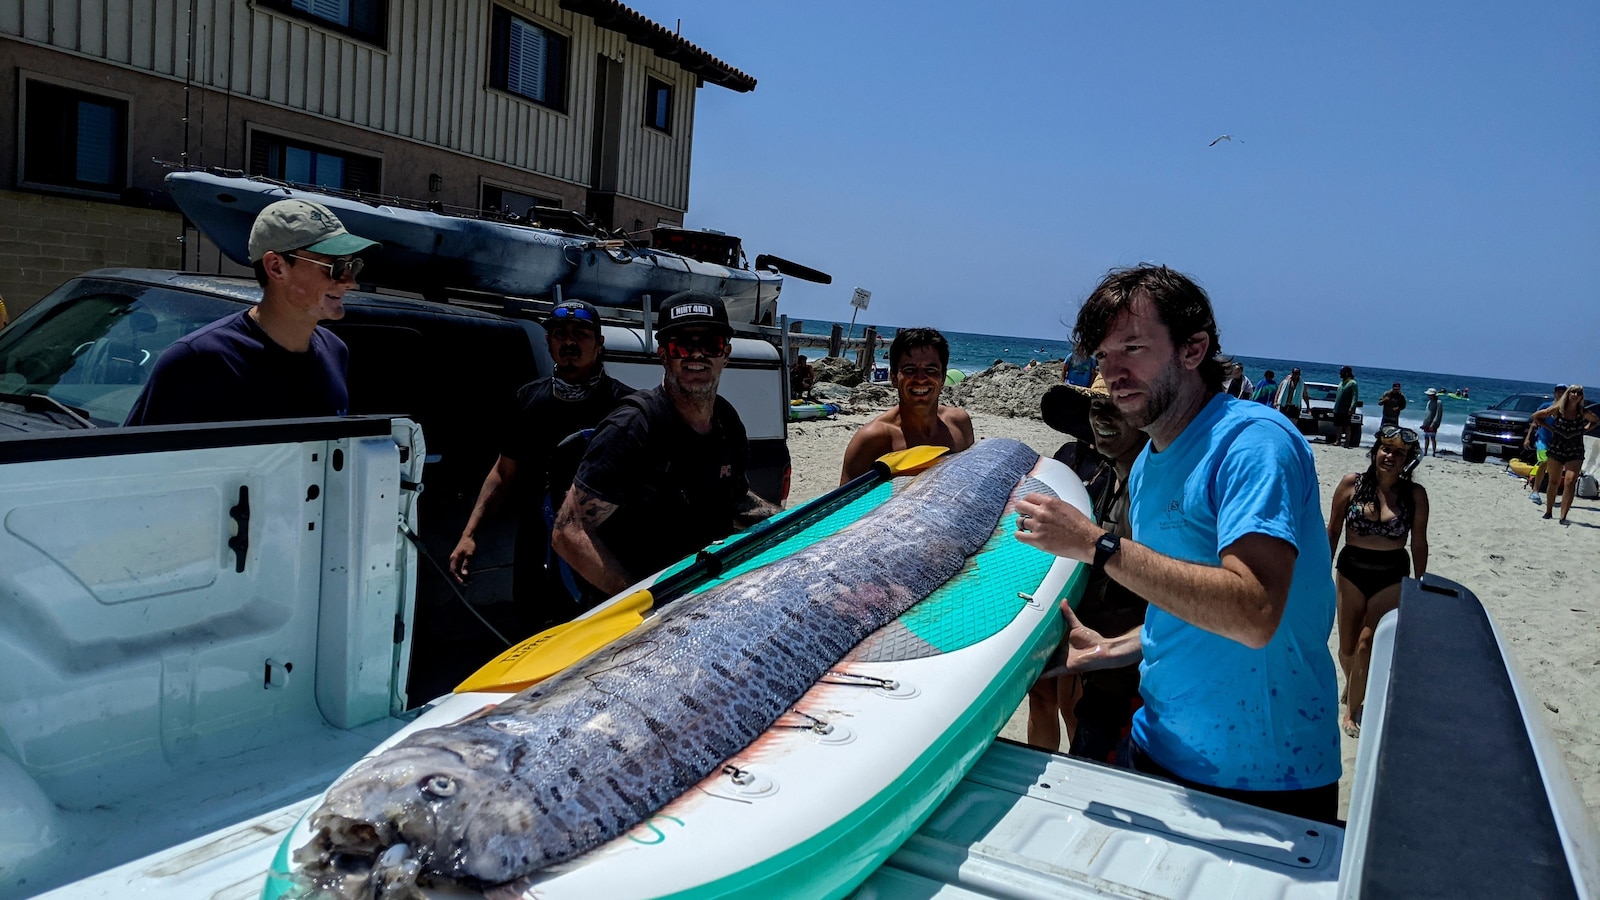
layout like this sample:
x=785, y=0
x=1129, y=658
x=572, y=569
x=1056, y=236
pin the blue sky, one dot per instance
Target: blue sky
x=1409, y=185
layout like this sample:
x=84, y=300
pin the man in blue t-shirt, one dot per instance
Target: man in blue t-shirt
x=1230, y=550
x=272, y=361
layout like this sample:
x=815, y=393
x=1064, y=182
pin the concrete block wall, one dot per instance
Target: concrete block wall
x=44, y=240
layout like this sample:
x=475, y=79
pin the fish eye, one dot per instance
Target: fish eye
x=439, y=785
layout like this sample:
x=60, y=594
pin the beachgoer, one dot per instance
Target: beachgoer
x=1079, y=370
x=664, y=474
x=802, y=378
x=1539, y=435
x=1431, y=417
x=1344, y=408
x=1393, y=402
x=1291, y=396
x=918, y=358
x=536, y=467
x=1240, y=694
x=1098, y=706
x=5, y=317
x=1567, y=421
x=1237, y=385
x=1266, y=389
x=273, y=360
x=1376, y=511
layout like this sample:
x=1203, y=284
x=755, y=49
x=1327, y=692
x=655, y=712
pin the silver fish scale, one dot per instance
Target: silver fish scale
x=579, y=759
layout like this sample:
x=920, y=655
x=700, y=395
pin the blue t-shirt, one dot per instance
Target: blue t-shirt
x=231, y=371
x=1215, y=711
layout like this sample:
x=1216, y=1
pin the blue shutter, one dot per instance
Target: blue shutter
x=525, y=60
x=337, y=11
x=97, y=139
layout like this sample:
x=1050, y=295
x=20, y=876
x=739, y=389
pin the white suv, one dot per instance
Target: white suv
x=1316, y=418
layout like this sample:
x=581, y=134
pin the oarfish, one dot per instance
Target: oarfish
x=581, y=758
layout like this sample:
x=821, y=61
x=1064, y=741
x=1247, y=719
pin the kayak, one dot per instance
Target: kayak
x=799, y=411
x=431, y=252
x=817, y=802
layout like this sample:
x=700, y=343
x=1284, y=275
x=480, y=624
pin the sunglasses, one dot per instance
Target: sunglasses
x=339, y=268
x=684, y=346
x=580, y=313
x=926, y=371
x=1391, y=432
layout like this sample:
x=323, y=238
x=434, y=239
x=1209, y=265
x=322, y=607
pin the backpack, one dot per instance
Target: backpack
x=1588, y=487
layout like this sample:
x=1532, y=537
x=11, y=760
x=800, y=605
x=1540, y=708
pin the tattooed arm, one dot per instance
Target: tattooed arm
x=577, y=540
x=750, y=509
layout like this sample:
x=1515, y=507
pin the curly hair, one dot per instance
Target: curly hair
x=1181, y=304
x=1405, y=489
x=908, y=339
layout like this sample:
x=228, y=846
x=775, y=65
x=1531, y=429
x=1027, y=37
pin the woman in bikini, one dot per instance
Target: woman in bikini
x=1376, y=511
x=1566, y=418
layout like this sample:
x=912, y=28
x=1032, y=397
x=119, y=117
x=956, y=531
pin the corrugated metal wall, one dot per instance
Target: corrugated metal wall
x=429, y=84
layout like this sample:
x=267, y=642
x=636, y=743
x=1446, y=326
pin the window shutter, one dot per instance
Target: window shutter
x=525, y=60
x=333, y=10
x=97, y=139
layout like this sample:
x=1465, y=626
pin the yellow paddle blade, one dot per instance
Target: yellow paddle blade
x=553, y=649
x=912, y=459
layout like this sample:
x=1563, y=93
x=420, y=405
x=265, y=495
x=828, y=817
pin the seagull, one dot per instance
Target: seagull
x=1225, y=137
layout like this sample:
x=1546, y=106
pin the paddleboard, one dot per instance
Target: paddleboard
x=801, y=411
x=819, y=801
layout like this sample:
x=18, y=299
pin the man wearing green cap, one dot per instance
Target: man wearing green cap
x=272, y=361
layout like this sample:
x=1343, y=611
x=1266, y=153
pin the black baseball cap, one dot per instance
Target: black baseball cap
x=687, y=308
x=574, y=311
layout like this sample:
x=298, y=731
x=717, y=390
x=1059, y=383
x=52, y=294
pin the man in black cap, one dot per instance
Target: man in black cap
x=534, y=465
x=665, y=473
x=1097, y=706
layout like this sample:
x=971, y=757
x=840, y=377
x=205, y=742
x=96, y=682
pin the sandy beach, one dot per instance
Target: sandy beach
x=1538, y=579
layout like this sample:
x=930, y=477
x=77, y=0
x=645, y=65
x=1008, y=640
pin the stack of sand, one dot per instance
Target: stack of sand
x=1539, y=580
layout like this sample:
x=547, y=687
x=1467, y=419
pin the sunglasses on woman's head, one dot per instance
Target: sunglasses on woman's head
x=344, y=265
x=1391, y=433
x=683, y=346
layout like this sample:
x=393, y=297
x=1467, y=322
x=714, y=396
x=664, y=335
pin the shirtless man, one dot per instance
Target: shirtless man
x=918, y=358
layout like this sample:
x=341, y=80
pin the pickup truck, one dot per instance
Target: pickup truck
x=206, y=624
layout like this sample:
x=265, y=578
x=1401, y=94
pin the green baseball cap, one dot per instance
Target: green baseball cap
x=302, y=225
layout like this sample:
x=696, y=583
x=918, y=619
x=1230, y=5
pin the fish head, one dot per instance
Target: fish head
x=449, y=810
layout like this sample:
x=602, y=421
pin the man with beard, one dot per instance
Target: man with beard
x=1097, y=706
x=918, y=361
x=532, y=466
x=665, y=473
x=1229, y=548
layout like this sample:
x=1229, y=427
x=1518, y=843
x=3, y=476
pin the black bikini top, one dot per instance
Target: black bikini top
x=1395, y=528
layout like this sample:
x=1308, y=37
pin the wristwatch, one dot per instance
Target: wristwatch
x=1105, y=548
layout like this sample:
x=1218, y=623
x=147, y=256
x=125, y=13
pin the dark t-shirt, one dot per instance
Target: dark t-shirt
x=1107, y=606
x=675, y=489
x=231, y=370
x=542, y=422
x=1393, y=402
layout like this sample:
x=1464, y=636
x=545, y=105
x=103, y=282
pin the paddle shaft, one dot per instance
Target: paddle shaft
x=757, y=536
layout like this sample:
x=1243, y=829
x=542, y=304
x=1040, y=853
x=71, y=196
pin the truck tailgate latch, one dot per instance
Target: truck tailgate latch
x=240, y=542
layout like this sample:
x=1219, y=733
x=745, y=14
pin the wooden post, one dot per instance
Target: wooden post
x=868, y=356
x=836, y=341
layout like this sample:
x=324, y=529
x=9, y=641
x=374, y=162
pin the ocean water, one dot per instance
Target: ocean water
x=975, y=352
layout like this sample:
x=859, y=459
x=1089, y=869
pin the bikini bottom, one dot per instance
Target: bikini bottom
x=1373, y=570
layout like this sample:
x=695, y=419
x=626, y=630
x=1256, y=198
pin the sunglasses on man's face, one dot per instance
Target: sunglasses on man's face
x=339, y=268
x=683, y=346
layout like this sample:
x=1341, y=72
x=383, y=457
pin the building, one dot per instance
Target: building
x=480, y=104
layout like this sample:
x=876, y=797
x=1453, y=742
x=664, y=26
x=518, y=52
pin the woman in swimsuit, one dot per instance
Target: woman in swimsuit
x=1376, y=511
x=1566, y=418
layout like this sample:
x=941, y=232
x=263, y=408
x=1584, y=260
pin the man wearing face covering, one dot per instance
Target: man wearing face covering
x=576, y=397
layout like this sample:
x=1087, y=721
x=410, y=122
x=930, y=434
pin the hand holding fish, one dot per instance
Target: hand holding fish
x=1056, y=526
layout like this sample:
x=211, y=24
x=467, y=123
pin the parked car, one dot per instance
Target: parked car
x=1316, y=417
x=1501, y=427
x=79, y=358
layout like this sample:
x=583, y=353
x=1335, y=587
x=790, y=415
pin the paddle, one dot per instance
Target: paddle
x=553, y=649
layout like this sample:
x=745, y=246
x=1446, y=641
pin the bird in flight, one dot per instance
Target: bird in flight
x=1225, y=137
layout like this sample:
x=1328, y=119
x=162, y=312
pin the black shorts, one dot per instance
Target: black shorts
x=1341, y=420
x=1320, y=804
x=1373, y=570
